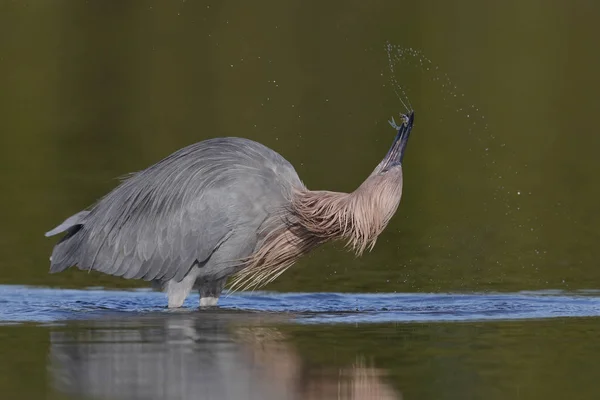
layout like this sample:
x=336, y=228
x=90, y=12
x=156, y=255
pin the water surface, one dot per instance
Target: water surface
x=115, y=344
x=33, y=304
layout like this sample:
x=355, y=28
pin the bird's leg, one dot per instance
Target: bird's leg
x=210, y=292
x=177, y=292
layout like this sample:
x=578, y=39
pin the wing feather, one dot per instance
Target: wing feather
x=157, y=223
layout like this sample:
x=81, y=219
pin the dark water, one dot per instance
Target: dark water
x=485, y=283
x=500, y=176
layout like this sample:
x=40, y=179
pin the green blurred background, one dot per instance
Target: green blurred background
x=501, y=185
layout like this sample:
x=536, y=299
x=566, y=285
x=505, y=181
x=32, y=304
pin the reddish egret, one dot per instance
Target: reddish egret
x=223, y=207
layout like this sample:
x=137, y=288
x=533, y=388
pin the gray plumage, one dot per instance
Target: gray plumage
x=193, y=219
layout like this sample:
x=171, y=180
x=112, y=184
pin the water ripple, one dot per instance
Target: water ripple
x=35, y=304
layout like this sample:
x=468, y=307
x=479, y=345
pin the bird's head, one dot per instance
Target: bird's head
x=395, y=154
x=362, y=215
x=375, y=202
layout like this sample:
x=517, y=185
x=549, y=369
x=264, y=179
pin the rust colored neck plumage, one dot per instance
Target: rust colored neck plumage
x=358, y=217
x=316, y=217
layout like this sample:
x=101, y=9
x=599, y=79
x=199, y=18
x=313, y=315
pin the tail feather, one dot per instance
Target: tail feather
x=65, y=253
x=73, y=220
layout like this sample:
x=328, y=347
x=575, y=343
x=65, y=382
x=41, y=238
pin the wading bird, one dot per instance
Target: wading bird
x=223, y=207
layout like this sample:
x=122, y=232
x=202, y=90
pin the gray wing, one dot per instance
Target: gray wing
x=157, y=223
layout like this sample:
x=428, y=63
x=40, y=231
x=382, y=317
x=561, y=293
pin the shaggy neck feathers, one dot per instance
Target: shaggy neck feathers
x=315, y=217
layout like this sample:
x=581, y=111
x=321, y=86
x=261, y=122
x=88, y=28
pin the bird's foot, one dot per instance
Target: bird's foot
x=208, y=301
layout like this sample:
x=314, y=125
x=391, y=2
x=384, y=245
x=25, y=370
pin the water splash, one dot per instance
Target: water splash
x=396, y=85
x=451, y=94
x=485, y=145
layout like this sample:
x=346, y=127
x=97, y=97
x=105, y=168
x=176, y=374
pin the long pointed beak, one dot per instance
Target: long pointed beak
x=396, y=152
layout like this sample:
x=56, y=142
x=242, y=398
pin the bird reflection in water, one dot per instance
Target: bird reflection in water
x=199, y=356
